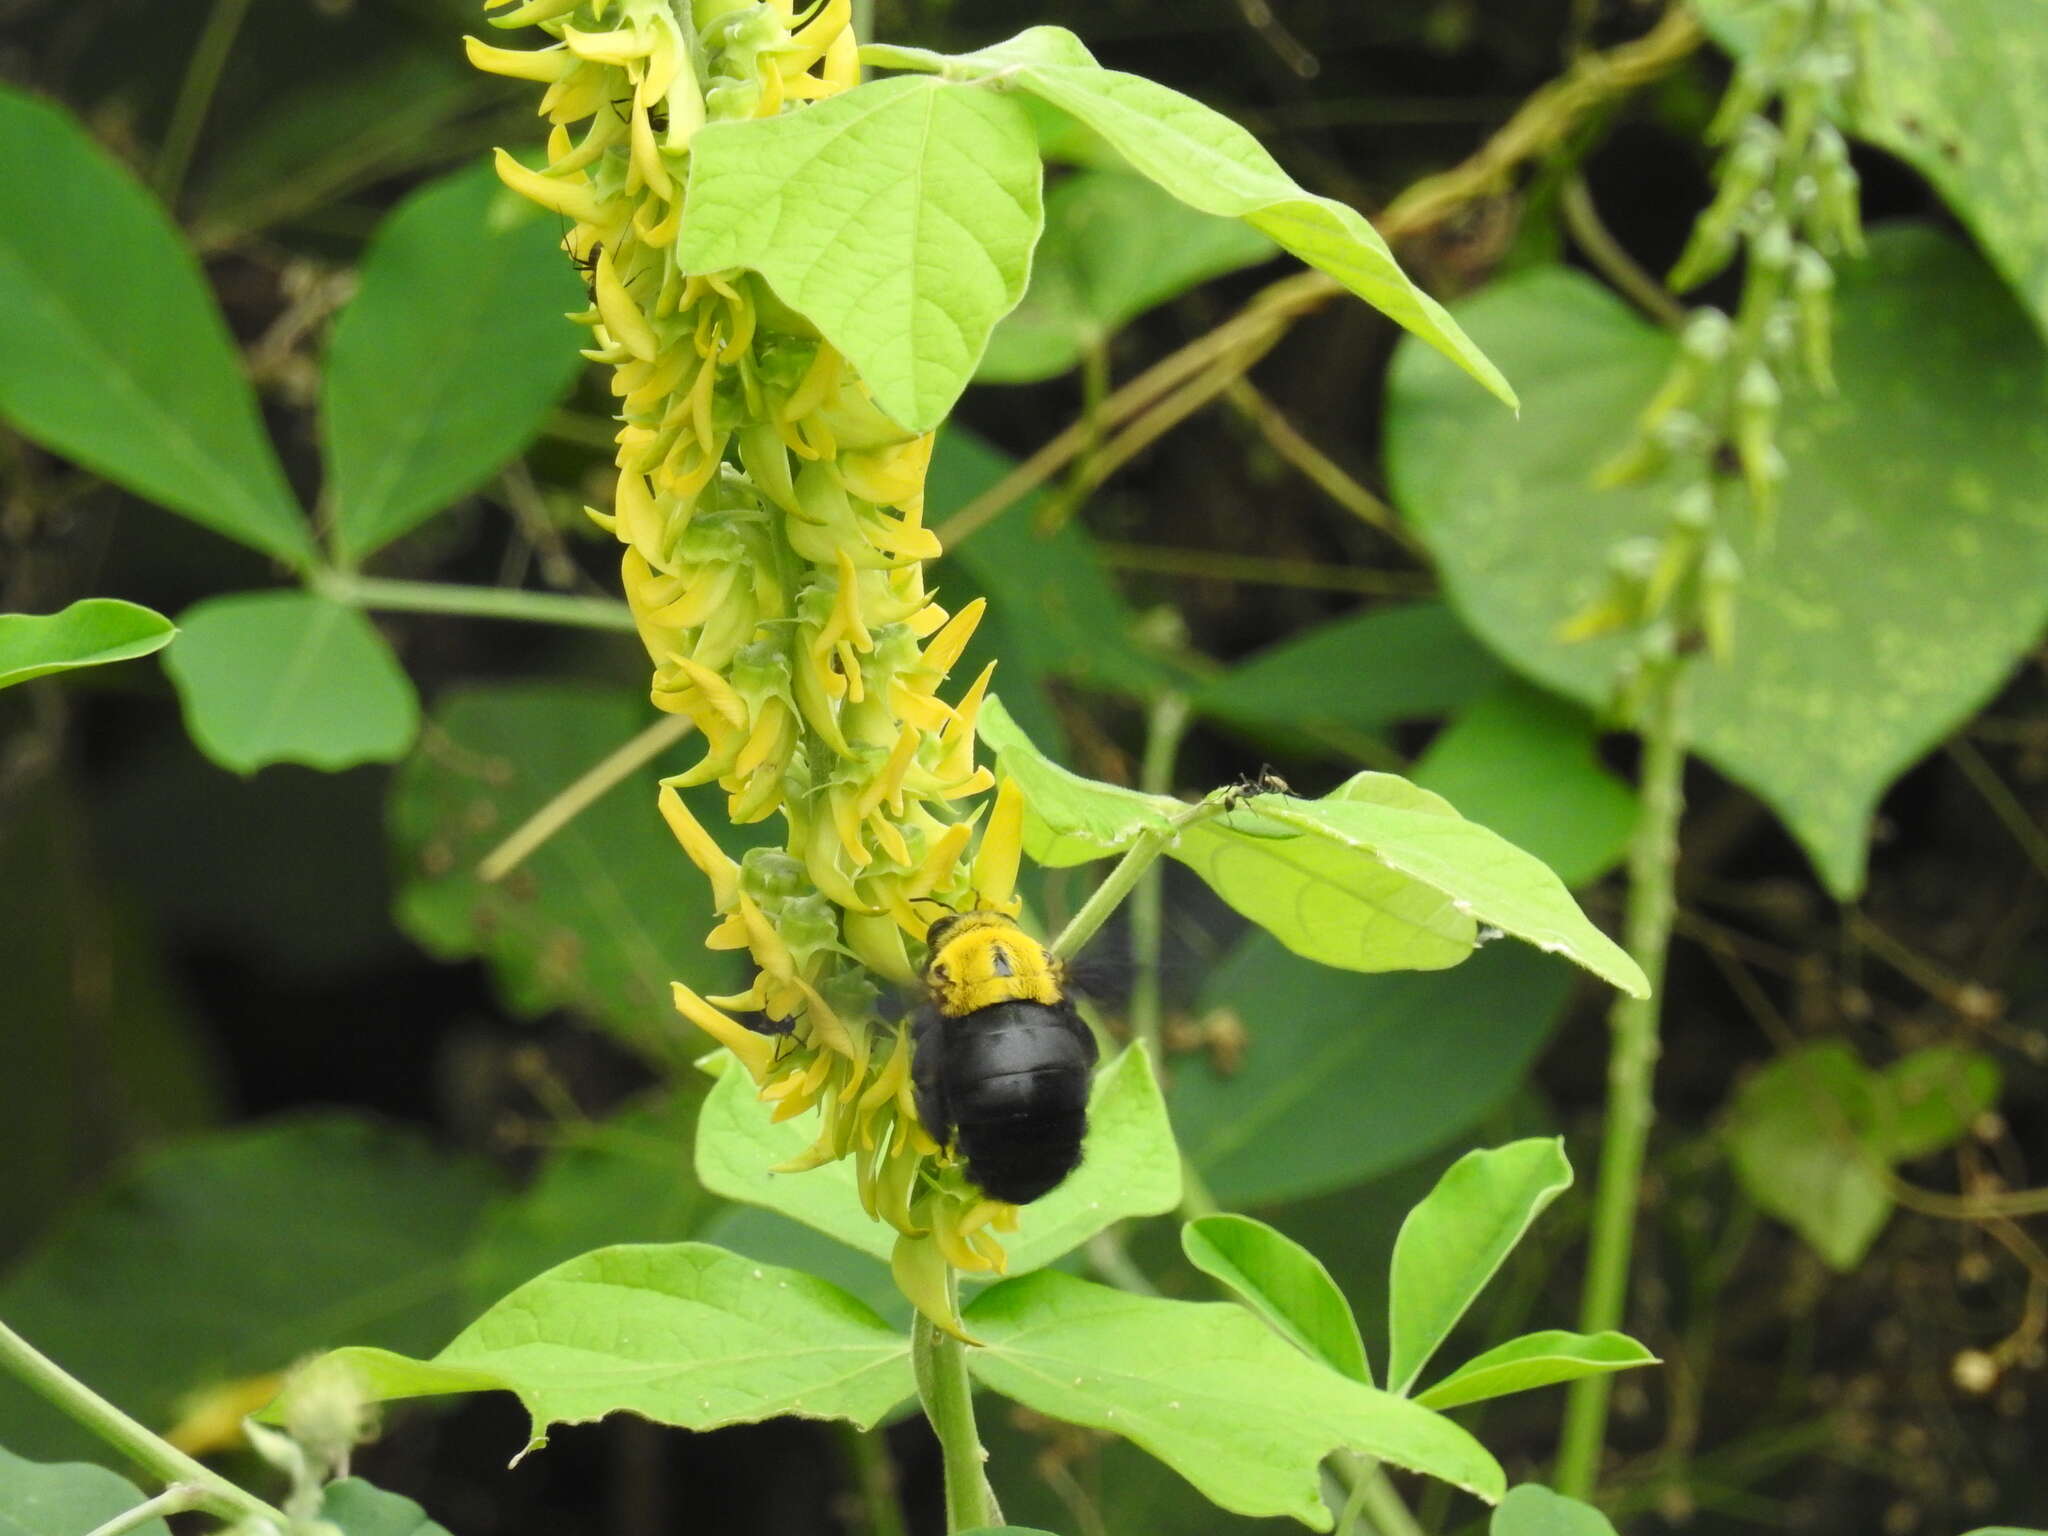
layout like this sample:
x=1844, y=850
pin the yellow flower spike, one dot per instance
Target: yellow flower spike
x=821, y=859
x=543, y=64
x=685, y=112
x=895, y=1072
x=945, y=647
x=1002, y=848
x=604, y=131
x=888, y=476
x=917, y=708
x=814, y=699
x=770, y=104
x=991, y=1252
x=572, y=199
x=886, y=787
x=959, y=731
x=946, y=1232
x=622, y=316
x=815, y=385
x=809, y=45
x=666, y=57
x=809, y=88
x=759, y=798
x=939, y=861
x=927, y=620
x=717, y=692
x=647, y=156
x=896, y=1185
x=770, y=739
x=627, y=45
x=535, y=11
x=847, y=822
x=888, y=838
x=770, y=953
x=754, y=1052
x=744, y=320
x=842, y=61
x=716, y=865
x=730, y=933
x=819, y=438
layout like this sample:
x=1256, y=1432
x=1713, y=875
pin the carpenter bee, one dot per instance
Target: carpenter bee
x=1000, y=1060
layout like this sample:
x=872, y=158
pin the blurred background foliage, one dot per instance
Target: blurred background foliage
x=283, y=1070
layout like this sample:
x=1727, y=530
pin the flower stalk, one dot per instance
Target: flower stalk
x=771, y=518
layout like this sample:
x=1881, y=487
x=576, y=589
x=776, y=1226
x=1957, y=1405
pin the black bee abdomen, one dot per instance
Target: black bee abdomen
x=1011, y=1082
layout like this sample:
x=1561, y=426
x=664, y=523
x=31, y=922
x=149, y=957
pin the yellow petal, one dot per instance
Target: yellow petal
x=1002, y=846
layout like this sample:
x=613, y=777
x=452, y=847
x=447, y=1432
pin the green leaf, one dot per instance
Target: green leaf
x=1908, y=570
x=447, y=361
x=1034, y=45
x=1953, y=90
x=230, y=1256
x=289, y=677
x=680, y=1333
x=898, y=217
x=603, y=916
x=1208, y=1389
x=65, y=1498
x=1530, y=1509
x=1811, y=1134
x=1130, y=1166
x=1398, y=661
x=112, y=351
x=1378, y=875
x=363, y=1510
x=1535, y=1360
x=1211, y=164
x=1380, y=882
x=1115, y=245
x=90, y=633
x=1453, y=1242
x=1347, y=1077
x=623, y=1180
x=1522, y=761
x=1283, y=1283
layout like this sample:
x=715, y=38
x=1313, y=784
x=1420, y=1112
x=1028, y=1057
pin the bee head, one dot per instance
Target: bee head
x=978, y=959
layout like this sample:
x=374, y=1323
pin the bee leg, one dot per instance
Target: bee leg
x=927, y=1073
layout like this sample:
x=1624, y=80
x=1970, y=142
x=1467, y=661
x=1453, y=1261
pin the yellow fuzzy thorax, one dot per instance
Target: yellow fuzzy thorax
x=980, y=959
x=772, y=519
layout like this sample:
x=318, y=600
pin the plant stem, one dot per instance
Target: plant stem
x=939, y=1362
x=1631, y=1067
x=511, y=603
x=1373, y=1496
x=213, y=1492
x=867, y=1453
x=174, y=1500
x=588, y=787
x=1165, y=729
x=195, y=96
x=1109, y=895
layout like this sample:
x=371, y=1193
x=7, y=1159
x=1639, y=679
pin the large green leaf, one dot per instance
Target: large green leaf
x=111, y=349
x=1953, y=88
x=89, y=633
x=1535, y=1360
x=1130, y=1166
x=1453, y=1242
x=1283, y=1283
x=1522, y=761
x=680, y=1333
x=1211, y=164
x=604, y=915
x=1345, y=1077
x=65, y=1498
x=290, y=677
x=622, y=1180
x=361, y=1509
x=448, y=359
x=1812, y=1134
x=1360, y=673
x=1375, y=876
x=231, y=1256
x=1533, y=1510
x=898, y=217
x=1208, y=1389
x=1908, y=569
x=1115, y=245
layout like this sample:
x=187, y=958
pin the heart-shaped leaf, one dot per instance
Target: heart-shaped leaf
x=1533, y=1510
x=1908, y=570
x=898, y=217
x=1208, y=1389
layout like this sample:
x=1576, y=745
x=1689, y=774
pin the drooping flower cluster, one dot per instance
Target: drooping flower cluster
x=772, y=518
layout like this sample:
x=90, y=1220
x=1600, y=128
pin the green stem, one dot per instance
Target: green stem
x=867, y=1453
x=1109, y=895
x=195, y=96
x=1631, y=1066
x=213, y=1492
x=1166, y=728
x=516, y=604
x=1373, y=1497
x=174, y=1500
x=939, y=1362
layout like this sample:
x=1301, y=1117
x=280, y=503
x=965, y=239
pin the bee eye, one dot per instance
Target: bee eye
x=940, y=973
